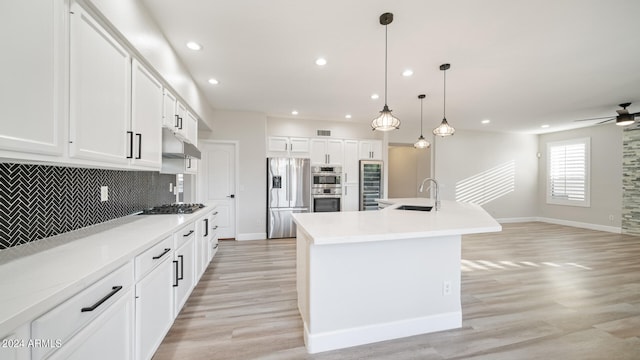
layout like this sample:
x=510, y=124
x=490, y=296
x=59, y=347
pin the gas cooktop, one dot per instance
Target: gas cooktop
x=178, y=208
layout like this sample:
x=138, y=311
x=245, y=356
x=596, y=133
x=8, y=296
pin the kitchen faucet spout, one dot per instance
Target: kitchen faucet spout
x=435, y=182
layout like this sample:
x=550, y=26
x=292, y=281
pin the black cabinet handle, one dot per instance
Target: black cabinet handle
x=215, y=247
x=139, y=146
x=189, y=233
x=180, y=127
x=130, y=156
x=114, y=290
x=175, y=283
x=206, y=227
x=181, y=277
x=215, y=213
x=166, y=250
x=189, y=164
x=215, y=227
x=177, y=120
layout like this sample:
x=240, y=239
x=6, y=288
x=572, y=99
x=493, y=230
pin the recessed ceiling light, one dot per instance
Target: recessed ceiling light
x=213, y=81
x=321, y=62
x=544, y=126
x=348, y=116
x=194, y=45
x=294, y=112
x=485, y=121
x=407, y=73
x=375, y=96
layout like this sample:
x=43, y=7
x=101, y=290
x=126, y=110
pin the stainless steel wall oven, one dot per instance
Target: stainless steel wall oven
x=326, y=188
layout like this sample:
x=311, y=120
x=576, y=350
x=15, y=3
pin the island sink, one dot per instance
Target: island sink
x=414, y=208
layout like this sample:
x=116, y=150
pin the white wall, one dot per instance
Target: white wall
x=248, y=128
x=499, y=167
x=308, y=128
x=606, y=177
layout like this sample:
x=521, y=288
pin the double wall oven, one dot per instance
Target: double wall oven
x=326, y=188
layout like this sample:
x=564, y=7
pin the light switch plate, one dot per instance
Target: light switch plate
x=104, y=193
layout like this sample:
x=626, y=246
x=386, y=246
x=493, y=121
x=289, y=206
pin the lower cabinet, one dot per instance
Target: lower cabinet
x=108, y=337
x=184, y=274
x=350, y=197
x=15, y=345
x=96, y=323
x=154, y=300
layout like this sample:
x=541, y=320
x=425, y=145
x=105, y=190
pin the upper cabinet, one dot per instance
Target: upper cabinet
x=170, y=118
x=191, y=127
x=351, y=165
x=371, y=149
x=287, y=146
x=33, y=74
x=146, y=117
x=100, y=86
x=326, y=151
x=116, y=104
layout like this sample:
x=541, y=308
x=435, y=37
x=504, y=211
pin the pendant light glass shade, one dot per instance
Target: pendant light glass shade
x=422, y=143
x=385, y=121
x=444, y=129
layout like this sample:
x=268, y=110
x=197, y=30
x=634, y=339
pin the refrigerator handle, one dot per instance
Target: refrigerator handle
x=288, y=194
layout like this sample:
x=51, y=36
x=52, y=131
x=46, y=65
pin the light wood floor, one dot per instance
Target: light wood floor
x=533, y=291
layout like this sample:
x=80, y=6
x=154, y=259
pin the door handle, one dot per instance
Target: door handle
x=130, y=133
x=231, y=196
x=139, y=146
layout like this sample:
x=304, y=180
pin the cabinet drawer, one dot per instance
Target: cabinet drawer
x=153, y=256
x=185, y=234
x=68, y=318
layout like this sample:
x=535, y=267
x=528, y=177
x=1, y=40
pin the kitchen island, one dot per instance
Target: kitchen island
x=371, y=276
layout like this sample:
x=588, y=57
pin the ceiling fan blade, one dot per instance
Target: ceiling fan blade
x=604, y=121
x=597, y=118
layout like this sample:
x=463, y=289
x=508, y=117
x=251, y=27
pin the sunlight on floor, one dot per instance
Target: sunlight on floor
x=471, y=265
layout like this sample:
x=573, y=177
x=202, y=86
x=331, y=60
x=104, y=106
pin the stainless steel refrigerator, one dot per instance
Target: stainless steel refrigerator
x=288, y=192
x=371, y=186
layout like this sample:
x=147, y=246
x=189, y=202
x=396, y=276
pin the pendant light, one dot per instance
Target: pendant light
x=444, y=129
x=422, y=143
x=385, y=121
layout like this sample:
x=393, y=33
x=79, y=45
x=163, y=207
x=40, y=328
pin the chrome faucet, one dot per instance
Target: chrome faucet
x=437, y=190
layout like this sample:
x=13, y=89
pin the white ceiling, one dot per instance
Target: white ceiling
x=518, y=63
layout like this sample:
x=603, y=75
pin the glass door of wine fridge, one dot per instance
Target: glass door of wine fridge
x=371, y=187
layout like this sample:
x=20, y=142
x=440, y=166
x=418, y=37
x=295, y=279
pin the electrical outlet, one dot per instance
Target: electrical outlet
x=104, y=193
x=170, y=187
x=446, y=288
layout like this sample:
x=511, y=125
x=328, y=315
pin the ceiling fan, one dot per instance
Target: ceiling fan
x=623, y=118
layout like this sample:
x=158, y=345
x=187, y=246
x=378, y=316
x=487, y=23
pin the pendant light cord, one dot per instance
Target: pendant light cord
x=385, y=65
x=421, y=101
x=444, y=110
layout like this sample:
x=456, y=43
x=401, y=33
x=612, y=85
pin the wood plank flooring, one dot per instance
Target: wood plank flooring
x=533, y=291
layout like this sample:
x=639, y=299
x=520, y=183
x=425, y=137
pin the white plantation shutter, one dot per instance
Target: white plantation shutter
x=568, y=172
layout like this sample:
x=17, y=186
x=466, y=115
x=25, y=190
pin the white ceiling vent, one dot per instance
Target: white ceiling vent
x=324, y=132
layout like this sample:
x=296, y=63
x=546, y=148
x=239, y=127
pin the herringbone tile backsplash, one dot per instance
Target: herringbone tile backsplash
x=39, y=201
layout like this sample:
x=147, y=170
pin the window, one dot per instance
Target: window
x=568, y=172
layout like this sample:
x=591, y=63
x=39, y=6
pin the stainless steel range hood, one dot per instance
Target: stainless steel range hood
x=175, y=148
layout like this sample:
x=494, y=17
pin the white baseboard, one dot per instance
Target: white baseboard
x=252, y=236
x=339, y=339
x=516, y=220
x=611, y=229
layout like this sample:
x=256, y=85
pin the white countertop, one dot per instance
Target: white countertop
x=37, y=276
x=454, y=218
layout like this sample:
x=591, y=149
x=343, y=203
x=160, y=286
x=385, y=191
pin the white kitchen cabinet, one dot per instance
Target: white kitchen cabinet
x=33, y=74
x=15, y=346
x=146, y=117
x=154, y=308
x=100, y=93
x=191, y=166
x=215, y=234
x=170, y=118
x=371, y=149
x=98, y=320
x=326, y=151
x=351, y=163
x=203, y=236
x=191, y=125
x=184, y=274
x=350, y=197
x=287, y=146
x=181, y=112
x=108, y=337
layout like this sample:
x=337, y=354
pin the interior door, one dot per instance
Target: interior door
x=218, y=184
